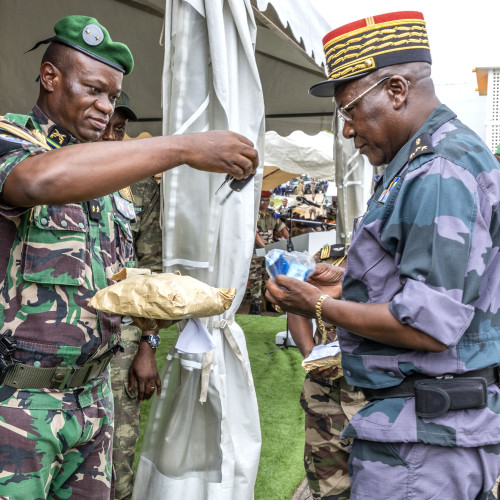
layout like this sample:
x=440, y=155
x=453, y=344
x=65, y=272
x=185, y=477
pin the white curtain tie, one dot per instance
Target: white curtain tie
x=223, y=324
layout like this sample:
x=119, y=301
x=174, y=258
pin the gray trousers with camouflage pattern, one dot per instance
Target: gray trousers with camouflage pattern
x=408, y=471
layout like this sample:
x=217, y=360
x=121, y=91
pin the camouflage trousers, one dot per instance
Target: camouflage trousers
x=328, y=407
x=54, y=453
x=127, y=414
x=256, y=279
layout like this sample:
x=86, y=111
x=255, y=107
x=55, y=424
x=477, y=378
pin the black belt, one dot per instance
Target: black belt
x=406, y=388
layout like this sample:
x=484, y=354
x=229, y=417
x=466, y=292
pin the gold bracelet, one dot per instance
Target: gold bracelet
x=319, y=318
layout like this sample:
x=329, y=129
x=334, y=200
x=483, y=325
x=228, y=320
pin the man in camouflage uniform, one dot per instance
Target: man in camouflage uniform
x=57, y=251
x=300, y=187
x=267, y=226
x=136, y=365
x=313, y=189
x=418, y=320
x=329, y=403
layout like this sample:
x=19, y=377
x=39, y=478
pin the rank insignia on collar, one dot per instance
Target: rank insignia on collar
x=94, y=210
x=57, y=136
x=422, y=145
x=126, y=194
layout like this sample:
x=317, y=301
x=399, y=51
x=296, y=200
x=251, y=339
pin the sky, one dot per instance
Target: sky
x=462, y=36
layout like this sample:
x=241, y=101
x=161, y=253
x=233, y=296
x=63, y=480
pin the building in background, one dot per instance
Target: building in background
x=488, y=84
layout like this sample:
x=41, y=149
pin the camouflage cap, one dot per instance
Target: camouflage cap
x=123, y=103
x=87, y=35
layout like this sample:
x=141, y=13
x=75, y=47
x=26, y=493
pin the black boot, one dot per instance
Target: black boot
x=254, y=309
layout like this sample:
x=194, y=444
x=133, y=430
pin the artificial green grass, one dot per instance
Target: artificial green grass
x=278, y=379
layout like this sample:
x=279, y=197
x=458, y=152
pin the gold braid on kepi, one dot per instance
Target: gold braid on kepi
x=359, y=48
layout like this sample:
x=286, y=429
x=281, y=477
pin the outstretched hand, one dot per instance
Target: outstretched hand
x=225, y=152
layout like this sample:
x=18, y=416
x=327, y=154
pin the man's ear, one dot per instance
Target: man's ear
x=50, y=76
x=398, y=88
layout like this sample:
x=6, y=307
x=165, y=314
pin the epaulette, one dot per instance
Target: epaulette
x=422, y=145
x=22, y=137
x=16, y=139
x=334, y=253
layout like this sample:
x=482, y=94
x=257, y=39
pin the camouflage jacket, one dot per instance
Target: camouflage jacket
x=267, y=224
x=146, y=228
x=54, y=258
x=429, y=246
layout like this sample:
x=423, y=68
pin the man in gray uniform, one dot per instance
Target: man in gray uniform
x=419, y=321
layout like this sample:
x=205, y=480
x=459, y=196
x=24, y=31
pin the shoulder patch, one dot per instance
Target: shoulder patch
x=422, y=145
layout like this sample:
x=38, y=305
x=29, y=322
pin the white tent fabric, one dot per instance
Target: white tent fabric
x=211, y=81
x=309, y=33
x=301, y=153
x=354, y=177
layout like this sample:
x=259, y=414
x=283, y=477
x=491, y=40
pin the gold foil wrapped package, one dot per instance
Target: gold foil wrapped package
x=328, y=362
x=324, y=356
x=163, y=296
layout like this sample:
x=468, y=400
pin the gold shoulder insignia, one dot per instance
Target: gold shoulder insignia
x=422, y=145
x=126, y=193
x=325, y=252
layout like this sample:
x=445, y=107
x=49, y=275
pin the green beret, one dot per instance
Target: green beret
x=87, y=35
x=498, y=150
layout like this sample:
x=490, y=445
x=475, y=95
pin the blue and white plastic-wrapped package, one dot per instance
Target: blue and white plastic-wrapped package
x=298, y=265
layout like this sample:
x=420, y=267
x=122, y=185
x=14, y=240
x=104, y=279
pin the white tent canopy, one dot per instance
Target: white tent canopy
x=300, y=153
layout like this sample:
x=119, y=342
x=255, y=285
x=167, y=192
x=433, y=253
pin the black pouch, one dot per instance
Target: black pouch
x=434, y=397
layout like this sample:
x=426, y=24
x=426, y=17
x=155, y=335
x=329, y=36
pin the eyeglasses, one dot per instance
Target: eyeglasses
x=343, y=113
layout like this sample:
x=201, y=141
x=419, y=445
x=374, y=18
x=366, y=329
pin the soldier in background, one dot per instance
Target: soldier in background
x=267, y=225
x=300, y=187
x=134, y=374
x=313, y=189
x=329, y=403
x=497, y=153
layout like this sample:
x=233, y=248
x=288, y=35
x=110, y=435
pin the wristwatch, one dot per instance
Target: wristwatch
x=153, y=340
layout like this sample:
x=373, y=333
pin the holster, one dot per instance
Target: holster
x=434, y=397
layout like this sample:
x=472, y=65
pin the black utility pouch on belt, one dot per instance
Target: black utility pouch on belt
x=434, y=397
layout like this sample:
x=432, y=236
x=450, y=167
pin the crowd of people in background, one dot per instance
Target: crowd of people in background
x=281, y=217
